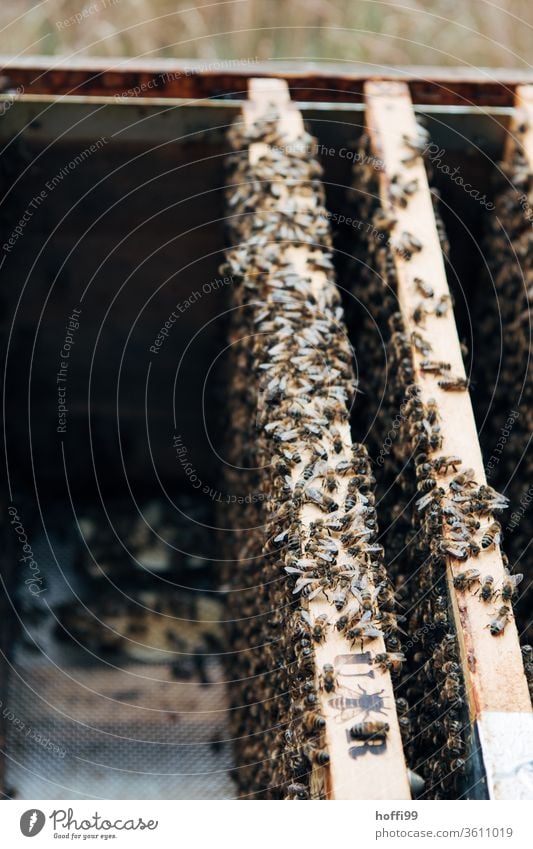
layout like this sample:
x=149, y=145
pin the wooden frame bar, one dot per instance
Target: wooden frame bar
x=496, y=691
x=356, y=771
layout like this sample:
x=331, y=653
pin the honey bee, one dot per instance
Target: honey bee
x=464, y=580
x=423, y=287
x=487, y=588
x=338, y=443
x=330, y=480
x=390, y=661
x=325, y=502
x=443, y=305
x=401, y=190
x=443, y=464
x=319, y=628
x=369, y=730
x=462, y=480
x=491, y=535
x=313, y=722
x=508, y=591
x=419, y=313
x=327, y=678
x=434, y=367
x=297, y=791
x=421, y=344
x=497, y=626
x=454, y=384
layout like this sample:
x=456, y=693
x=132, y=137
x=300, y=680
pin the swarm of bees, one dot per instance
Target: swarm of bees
x=312, y=533
x=505, y=320
x=429, y=521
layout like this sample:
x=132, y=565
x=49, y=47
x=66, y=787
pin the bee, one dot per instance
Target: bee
x=443, y=464
x=319, y=628
x=491, y=535
x=508, y=591
x=420, y=343
x=297, y=791
x=338, y=443
x=330, y=480
x=454, y=384
x=327, y=678
x=464, y=580
x=434, y=367
x=401, y=190
x=451, y=688
x=319, y=757
x=443, y=305
x=313, y=722
x=407, y=244
x=340, y=598
x=487, y=588
x=390, y=661
x=497, y=626
x=419, y=314
x=369, y=730
x=463, y=479
x=424, y=288
x=325, y=502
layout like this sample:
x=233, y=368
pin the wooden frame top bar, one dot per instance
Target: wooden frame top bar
x=307, y=81
x=496, y=687
x=380, y=773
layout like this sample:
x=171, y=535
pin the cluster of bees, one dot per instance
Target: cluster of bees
x=510, y=423
x=311, y=535
x=429, y=521
x=155, y=567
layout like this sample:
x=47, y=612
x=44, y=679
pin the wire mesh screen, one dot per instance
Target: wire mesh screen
x=86, y=724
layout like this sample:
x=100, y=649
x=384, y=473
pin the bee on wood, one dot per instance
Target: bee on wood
x=462, y=480
x=319, y=628
x=443, y=305
x=390, y=661
x=422, y=345
x=497, y=626
x=464, y=580
x=369, y=730
x=330, y=480
x=487, y=588
x=434, y=367
x=454, y=384
x=338, y=443
x=325, y=502
x=444, y=464
x=491, y=535
x=451, y=688
x=508, y=590
x=327, y=678
x=419, y=313
x=424, y=288
x=401, y=190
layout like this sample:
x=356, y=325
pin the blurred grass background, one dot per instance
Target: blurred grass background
x=434, y=32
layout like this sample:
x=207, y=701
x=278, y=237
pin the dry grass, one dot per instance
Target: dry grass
x=435, y=32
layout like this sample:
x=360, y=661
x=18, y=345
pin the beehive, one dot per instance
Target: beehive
x=341, y=538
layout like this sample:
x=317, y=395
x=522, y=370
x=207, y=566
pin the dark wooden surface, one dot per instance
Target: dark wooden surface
x=224, y=78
